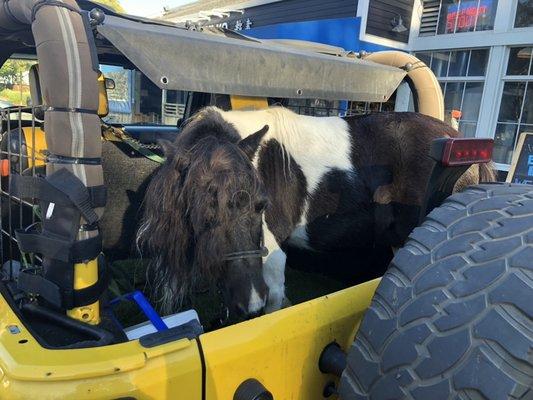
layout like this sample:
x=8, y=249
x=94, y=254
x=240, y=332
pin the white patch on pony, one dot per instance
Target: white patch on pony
x=300, y=238
x=317, y=144
x=273, y=271
x=256, y=303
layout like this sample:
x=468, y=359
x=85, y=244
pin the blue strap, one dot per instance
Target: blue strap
x=145, y=307
x=149, y=311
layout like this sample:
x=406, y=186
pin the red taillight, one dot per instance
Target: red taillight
x=4, y=168
x=467, y=151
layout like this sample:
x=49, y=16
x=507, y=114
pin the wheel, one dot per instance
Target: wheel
x=453, y=316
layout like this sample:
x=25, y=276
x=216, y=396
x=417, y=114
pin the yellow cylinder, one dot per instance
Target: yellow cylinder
x=248, y=103
x=85, y=275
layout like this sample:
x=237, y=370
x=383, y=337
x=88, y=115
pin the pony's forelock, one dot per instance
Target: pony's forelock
x=185, y=216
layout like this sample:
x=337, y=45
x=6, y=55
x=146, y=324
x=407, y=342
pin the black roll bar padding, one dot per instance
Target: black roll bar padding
x=54, y=291
x=68, y=64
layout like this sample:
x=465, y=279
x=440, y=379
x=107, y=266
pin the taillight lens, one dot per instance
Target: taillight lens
x=467, y=151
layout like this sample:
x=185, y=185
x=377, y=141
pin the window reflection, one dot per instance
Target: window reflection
x=458, y=63
x=466, y=15
x=504, y=141
x=519, y=61
x=461, y=77
x=516, y=106
x=524, y=14
x=137, y=100
x=511, y=104
x=478, y=62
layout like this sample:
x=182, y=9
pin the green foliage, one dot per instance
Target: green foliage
x=15, y=97
x=113, y=4
x=13, y=72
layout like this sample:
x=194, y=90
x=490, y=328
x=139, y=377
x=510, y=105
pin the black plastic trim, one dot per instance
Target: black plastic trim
x=190, y=330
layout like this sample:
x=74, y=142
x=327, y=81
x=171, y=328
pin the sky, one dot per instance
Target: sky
x=147, y=8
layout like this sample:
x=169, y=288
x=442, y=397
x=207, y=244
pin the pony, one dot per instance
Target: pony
x=235, y=181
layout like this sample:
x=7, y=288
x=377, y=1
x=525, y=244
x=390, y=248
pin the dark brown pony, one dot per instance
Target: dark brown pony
x=233, y=180
x=204, y=204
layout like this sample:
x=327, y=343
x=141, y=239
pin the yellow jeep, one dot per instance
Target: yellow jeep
x=451, y=318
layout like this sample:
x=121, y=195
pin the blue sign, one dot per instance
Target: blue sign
x=523, y=170
x=340, y=32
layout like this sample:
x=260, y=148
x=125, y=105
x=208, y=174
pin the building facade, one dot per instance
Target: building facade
x=480, y=50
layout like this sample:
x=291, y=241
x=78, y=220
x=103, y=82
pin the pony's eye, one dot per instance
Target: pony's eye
x=260, y=206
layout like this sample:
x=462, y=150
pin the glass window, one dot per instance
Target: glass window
x=137, y=100
x=478, y=62
x=524, y=14
x=466, y=15
x=468, y=129
x=447, y=17
x=511, y=103
x=519, y=61
x=425, y=57
x=527, y=112
x=453, y=95
x=504, y=142
x=458, y=63
x=439, y=63
x=486, y=12
x=461, y=77
x=516, y=104
x=471, y=101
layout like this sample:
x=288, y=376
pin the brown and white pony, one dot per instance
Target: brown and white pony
x=235, y=180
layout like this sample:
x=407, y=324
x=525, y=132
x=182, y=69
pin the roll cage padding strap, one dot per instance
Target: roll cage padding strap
x=57, y=159
x=54, y=3
x=66, y=182
x=35, y=187
x=62, y=187
x=51, y=292
x=10, y=14
x=70, y=110
x=79, y=251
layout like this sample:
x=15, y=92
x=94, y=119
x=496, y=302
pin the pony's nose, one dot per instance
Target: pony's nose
x=256, y=314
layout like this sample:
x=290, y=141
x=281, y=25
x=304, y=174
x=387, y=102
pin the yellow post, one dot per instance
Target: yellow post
x=248, y=103
x=86, y=275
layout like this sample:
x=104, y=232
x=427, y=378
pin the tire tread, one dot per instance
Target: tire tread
x=480, y=314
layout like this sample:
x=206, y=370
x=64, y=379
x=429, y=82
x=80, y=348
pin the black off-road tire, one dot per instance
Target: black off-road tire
x=453, y=316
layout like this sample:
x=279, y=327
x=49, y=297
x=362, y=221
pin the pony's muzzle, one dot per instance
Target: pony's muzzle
x=256, y=314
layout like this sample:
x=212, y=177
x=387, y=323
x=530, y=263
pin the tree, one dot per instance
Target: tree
x=14, y=81
x=113, y=4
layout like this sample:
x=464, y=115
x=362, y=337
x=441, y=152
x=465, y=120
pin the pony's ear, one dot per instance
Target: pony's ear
x=167, y=146
x=250, y=144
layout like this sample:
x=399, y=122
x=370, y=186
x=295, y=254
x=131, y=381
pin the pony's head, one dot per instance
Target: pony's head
x=202, y=218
